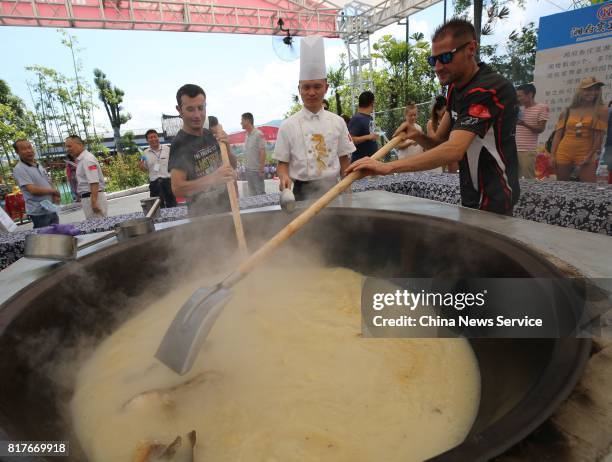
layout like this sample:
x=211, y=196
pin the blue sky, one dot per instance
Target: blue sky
x=239, y=73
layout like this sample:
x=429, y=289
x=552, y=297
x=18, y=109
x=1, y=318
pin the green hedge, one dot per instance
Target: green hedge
x=122, y=172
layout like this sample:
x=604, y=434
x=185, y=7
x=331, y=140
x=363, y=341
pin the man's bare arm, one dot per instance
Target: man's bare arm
x=427, y=142
x=183, y=187
x=94, y=188
x=450, y=151
x=262, y=160
x=345, y=161
x=40, y=191
x=283, y=175
x=537, y=128
x=360, y=139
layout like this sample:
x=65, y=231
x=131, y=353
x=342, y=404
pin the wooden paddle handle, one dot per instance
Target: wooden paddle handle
x=305, y=216
x=231, y=190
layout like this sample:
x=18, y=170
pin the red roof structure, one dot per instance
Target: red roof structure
x=301, y=17
x=269, y=133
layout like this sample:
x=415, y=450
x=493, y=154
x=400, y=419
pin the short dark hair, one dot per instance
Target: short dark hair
x=248, y=116
x=76, y=138
x=212, y=121
x=457, y=27
x=19, y=140
x=366, y=99
x=149, y=131
x=527, y=88
x=190, y=90
x=439, y=103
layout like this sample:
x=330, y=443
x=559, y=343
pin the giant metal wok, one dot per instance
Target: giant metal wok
x=523, y=380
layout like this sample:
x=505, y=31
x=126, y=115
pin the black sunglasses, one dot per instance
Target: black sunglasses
x=446, y=57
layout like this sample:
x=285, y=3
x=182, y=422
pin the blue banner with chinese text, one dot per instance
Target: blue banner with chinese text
x=578, y=26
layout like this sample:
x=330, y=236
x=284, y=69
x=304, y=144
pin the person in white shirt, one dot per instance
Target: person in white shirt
x=313, y=146
x=90, y=181
x=409, y=148
x=154, y=160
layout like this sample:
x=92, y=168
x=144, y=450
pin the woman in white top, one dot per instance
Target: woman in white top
x=409, y=147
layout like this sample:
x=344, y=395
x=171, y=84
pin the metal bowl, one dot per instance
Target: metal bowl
x=135, y=227
x=50, y=246
x=146, y=205
x=523, y=380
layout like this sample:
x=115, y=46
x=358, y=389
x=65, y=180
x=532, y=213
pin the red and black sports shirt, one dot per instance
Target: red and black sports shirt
x=488, y=172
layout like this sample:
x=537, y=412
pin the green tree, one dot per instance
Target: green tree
x=406, y=75
x=296, y=106
x=417, y=37
x=15, y=122
x=122, y=172
x=111, y=97
x=128, y=143
x=81, y=89
x=394, y=54
x=518, y=64
x=496, y=10
x=56, y=108
x=346, y=103
x=8, y=133
x=97, y=147
x=336, y=80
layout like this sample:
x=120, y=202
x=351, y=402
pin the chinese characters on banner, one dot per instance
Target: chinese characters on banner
x=572, y=46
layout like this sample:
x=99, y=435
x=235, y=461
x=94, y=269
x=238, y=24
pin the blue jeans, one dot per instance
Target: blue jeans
x=40, y=221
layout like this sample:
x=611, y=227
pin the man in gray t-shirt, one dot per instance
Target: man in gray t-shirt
x=35, y=185
x=255, y=151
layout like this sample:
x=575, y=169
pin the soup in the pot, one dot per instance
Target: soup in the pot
x=283, y=376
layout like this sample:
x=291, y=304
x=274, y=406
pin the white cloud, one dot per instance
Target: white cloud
x=146, y=112
x=399, y=30
x=266, y=92
x=421, y=26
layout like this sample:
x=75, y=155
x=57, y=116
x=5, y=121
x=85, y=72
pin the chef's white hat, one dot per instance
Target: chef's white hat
x=312, y=58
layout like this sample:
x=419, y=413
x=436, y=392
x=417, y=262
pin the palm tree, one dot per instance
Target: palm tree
x=417, y=37
x=397, y=54
x=335, y=79
x=493, y=9
x=111, y=97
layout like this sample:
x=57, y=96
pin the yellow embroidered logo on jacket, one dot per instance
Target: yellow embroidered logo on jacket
x=321, y=151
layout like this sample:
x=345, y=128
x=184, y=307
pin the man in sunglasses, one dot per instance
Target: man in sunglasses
x=477, y=130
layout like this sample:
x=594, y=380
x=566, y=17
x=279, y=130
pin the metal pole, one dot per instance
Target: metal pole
x=444, y=10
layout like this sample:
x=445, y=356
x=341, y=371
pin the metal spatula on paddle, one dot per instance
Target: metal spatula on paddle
x=194, y=320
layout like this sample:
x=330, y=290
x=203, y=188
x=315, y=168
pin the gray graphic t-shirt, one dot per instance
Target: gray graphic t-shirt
x=198, y=156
